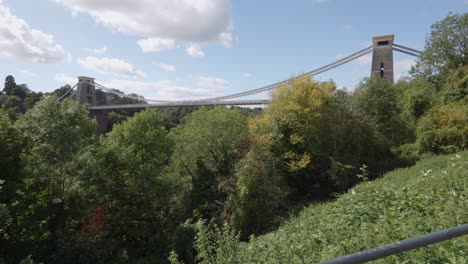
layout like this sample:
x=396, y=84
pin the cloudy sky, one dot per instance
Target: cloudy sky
x=181, y=49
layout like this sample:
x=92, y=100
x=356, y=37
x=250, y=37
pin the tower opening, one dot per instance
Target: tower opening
x=381, y=70
x=382, y=43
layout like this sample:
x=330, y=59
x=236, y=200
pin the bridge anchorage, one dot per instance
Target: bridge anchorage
x=101, y=99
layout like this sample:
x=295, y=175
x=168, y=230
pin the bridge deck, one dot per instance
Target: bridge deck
x=182, y=103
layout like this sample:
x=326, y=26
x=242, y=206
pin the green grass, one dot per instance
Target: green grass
x=430, y=196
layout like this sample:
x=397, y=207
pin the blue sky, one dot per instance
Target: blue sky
x=168, y=49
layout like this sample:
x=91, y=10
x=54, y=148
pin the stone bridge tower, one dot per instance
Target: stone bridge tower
x=86, y=94
x=382, y=57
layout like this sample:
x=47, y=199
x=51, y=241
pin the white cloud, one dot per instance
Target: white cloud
x=167, y=67
x=156, y=44
x=401, y=68
x=182, y=20
x=112, y=66
x=161, y=90
x=226, y=39
x=247, y=74
x=195, y=51
x=18, y=40
x=212, y=82
x=65, y=79
x=98, y=51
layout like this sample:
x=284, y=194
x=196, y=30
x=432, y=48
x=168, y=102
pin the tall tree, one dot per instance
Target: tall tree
x=10, y=85
x=293, y=128
x=127, y=182
x=55, y=132
x=446, y=49
x=10, y=150
x=207, y=147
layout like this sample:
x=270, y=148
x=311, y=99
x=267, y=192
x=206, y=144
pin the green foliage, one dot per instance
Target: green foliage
x=293, y=129
x=114, y=118
x=174, y=116
x=322, y=137
x=13, y=105
x=456, y=86
x=54, y=133
x=378, y=98
x=59, y=92
x=446, y=49
x=207, y=147
x=5, y=218
x=214, y=244
x=352, y=139
x=18, y=98
x=443, y=130
x=405, y=203
x=10, y=85
x=260, y=192
x=134, y=198
x=10, y=150
x=415, y=98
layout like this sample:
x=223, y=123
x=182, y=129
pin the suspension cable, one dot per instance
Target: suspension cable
x=313, y=72
x=407, y=48
x=405, y=52
x=65, y=94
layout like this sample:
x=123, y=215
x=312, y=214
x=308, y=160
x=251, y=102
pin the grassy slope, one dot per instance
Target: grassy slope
x=430, y=196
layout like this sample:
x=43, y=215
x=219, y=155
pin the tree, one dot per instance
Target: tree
x=259, y=199
x=415, y=98
x=379, y=99
x=13, y=105
x=46, y=210
x=446, y=49
x=10, y=149
x=207, y=147
x=61, y=91
x=293, y=129
x=21, y=91
x=136, y=198
x=10, y=85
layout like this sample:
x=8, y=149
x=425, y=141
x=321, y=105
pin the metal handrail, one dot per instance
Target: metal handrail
x=401, y=246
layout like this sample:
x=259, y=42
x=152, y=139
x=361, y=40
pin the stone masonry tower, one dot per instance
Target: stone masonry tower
x=86, y=94
x=85, y=91
x=382, y=57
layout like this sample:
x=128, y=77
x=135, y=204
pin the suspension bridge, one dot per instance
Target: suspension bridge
x=101, y=99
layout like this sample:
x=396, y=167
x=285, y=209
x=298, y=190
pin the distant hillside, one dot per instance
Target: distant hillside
x=430, y=196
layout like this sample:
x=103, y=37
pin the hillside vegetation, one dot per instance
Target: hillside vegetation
x=151, y=184
x=430, y=196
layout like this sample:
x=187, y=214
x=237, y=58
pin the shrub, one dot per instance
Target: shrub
x=443, y=130
x=259, y=195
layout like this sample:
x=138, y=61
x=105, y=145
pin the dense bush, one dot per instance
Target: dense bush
x=443, y=130
x=260, y=193
x=206, y=149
